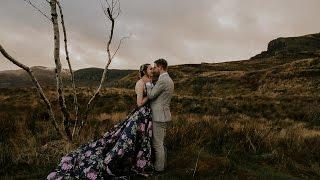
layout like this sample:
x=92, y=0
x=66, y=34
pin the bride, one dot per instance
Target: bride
x=122, y=151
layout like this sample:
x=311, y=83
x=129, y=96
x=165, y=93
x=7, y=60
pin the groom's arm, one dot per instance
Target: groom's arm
x=154, y=92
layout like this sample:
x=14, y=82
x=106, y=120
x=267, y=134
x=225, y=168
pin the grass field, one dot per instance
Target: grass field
x=253, y=137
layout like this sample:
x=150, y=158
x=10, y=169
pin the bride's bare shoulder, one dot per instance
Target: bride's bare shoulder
x=139, y=83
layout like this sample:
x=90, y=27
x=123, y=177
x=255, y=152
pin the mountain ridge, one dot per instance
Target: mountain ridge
x=46, y=76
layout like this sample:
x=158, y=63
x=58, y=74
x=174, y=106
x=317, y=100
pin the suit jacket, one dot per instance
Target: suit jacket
x=160, y=96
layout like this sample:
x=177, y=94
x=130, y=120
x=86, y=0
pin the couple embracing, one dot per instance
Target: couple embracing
x=134, y=146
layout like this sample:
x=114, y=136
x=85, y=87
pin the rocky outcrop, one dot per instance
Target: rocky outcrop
x=295, y=47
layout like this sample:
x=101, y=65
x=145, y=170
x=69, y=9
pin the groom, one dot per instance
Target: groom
x=160, y=96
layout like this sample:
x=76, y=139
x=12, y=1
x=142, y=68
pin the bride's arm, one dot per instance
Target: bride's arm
x=144, y=100
x=139, y=91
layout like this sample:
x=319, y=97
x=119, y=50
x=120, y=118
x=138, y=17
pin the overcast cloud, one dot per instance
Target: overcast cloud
x=182, y=31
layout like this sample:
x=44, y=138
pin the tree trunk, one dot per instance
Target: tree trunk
x=64, y=110
x=75, y=99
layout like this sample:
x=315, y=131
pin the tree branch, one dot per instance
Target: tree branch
x=120, y=42
x=111, y=17
x=36, y=84
x=35, y=7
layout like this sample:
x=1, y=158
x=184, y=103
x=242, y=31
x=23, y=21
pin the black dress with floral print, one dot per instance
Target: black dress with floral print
x=122, y=151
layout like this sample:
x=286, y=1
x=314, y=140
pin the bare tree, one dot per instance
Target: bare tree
x=111, y=9
x=30, y=73
x=56, y=54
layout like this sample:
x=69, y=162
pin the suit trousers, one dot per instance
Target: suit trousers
x=159, y=133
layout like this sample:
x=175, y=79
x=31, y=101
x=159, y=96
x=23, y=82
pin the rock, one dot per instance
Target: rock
x=295, y=47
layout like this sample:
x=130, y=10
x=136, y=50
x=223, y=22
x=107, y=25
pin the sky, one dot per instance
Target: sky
x=181, y=31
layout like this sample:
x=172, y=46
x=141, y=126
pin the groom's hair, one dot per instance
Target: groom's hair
x=162, y=62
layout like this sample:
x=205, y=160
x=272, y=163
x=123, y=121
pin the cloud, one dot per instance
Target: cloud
x=182, y=31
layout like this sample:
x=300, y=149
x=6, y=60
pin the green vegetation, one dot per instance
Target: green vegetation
x=92, y=76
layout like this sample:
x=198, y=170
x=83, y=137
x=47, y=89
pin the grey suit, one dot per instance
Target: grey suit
x=160, y=96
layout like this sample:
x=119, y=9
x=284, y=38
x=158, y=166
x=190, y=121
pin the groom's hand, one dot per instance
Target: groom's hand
x=149, y=82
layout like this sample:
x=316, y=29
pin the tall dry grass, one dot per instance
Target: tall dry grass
x=230, y=141
x=287, y=146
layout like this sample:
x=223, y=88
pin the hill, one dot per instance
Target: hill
x=291, y=68
x=19, y=78
x=92, y=76
x=294, y=47
x=46, y=77
x=288, y=65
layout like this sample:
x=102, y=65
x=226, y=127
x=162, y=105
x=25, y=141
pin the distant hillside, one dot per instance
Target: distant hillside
x=46, y=77
x=290, y=66
x=19, y=78
x=92, y=76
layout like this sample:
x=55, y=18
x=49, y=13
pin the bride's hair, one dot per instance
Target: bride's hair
x=143, y=70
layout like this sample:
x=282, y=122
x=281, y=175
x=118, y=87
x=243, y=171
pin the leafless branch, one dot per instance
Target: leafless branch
x=111, y=16
x=38, y=9
x=37, y=85
x=120, y=42
x=103, y=8
x=114, y=7
x=75, y=99
x=45, y=4
x=108, y=3
x=118, y=12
